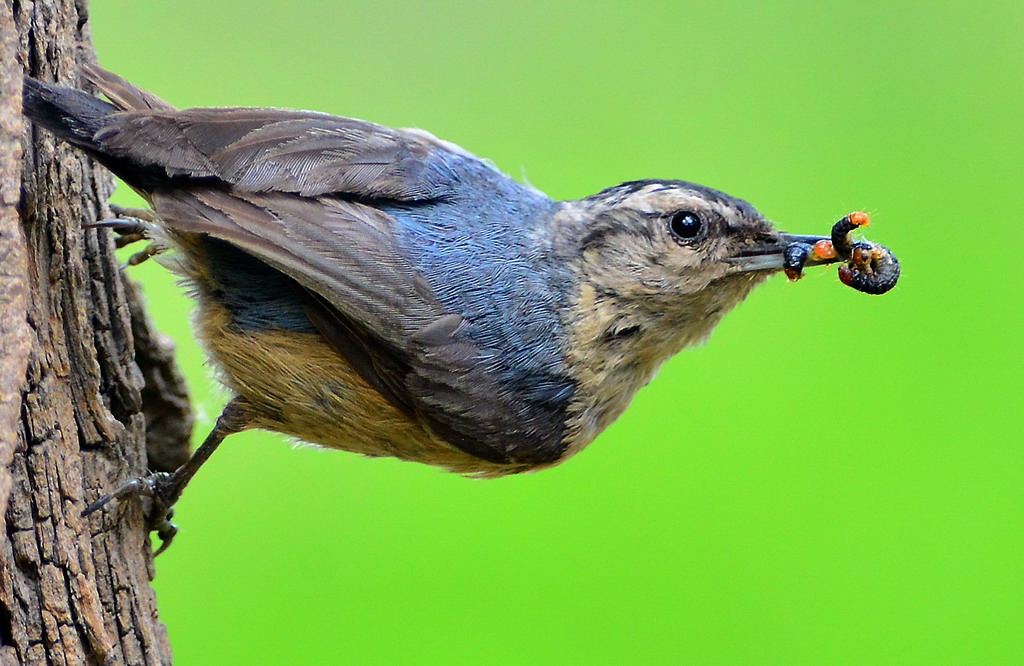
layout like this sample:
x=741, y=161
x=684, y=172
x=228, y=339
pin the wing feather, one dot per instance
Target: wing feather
x=263, y=150
x=266, y=150
x=295, y=189
x=343, y=250
x=376, y=310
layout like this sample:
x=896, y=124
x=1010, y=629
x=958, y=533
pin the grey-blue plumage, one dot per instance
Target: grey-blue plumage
x=482, y=250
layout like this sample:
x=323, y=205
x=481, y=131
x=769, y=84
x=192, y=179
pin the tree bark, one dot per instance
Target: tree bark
x=84, y=383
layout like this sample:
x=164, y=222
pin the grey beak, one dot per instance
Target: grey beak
x=769, y=257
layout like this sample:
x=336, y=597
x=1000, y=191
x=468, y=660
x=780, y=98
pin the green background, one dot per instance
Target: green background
x=833, y=478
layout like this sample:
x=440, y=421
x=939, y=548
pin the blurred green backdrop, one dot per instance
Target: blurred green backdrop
x=833, y=478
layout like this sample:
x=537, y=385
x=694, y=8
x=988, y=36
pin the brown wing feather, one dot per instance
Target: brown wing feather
x=263, y=150
x=123, y=94
x=341, y=250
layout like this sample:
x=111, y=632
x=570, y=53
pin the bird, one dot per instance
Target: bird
x=385, y=292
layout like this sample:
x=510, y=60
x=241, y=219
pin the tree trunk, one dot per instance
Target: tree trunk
x=84, y=384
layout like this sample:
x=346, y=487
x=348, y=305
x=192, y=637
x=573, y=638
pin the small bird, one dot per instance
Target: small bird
x=385, y=292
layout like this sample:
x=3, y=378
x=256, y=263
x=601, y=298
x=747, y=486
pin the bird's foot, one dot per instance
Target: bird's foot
x=130, y=226
x=162, y=490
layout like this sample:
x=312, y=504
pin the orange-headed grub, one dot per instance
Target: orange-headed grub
x=824, y=249
x=859, y=218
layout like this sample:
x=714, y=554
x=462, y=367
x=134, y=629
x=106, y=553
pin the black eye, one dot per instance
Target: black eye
x=685, y=225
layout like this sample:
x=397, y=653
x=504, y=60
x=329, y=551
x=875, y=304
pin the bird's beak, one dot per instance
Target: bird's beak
x=769, y=256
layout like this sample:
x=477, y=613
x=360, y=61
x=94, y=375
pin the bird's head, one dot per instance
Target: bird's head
x=657, y=264
x=660, y=262
x=664, y=242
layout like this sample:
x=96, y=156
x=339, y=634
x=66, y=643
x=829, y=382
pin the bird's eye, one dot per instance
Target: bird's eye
x=685, y=225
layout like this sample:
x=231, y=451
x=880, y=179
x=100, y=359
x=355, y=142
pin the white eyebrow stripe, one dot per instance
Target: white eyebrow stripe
x=655, y=200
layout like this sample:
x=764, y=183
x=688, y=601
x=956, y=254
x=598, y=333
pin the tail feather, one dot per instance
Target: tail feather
x=70, y=114
x=124, y=95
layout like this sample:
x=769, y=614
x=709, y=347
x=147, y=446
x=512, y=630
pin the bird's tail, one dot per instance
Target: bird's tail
x=71, y=114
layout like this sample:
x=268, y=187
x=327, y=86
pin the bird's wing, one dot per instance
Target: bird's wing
x=296, y=189
x=342, y=250
x=375, y=308
x=267, y=150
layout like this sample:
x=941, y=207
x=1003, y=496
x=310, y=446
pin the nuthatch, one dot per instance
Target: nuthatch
x=385, y=292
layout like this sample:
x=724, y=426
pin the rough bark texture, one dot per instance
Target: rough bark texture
x=83, y=384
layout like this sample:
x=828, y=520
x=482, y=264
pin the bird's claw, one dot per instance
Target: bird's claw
x=166, y=530
x=163, y=492
x=130, y=226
